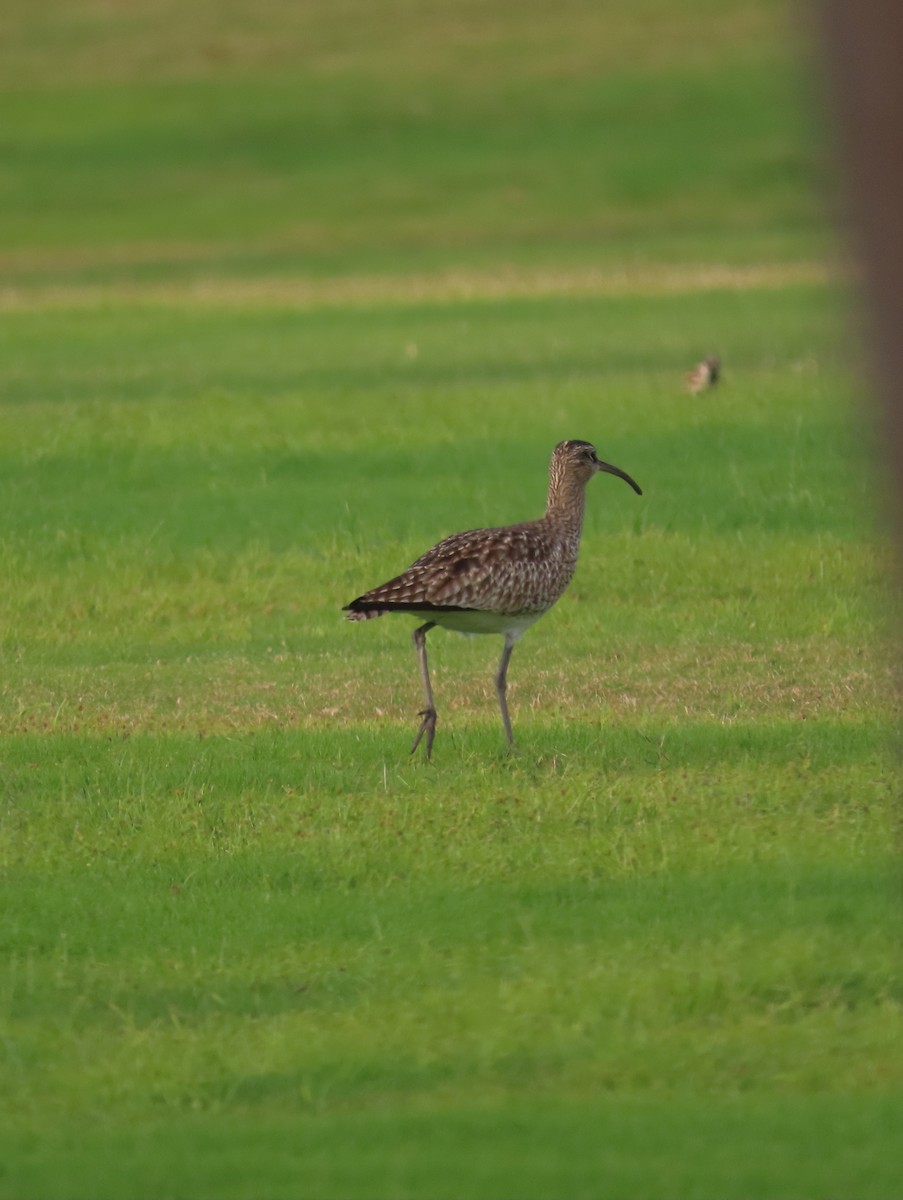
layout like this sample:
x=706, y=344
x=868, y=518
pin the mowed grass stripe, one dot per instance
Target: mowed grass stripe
x=753, y=1145
x=444, y=286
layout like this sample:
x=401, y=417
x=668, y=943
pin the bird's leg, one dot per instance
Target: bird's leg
x=501, y=686
x=428, y=724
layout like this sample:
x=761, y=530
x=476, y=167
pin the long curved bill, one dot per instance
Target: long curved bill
x=604, y=466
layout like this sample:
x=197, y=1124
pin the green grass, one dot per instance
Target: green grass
x=240, y=923
x=293, y=291
x=382, y=138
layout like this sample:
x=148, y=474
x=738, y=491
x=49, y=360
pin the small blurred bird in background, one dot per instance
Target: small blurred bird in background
x=704, y=375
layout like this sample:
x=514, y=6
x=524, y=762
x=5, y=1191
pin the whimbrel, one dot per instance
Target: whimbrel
x=494, y=580
x=704, y=375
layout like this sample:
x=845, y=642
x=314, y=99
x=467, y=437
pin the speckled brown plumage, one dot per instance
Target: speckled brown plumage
x=516, y=569
x=497, y=580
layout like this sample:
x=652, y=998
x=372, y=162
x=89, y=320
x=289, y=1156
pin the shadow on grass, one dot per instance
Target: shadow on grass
x=266, y=934
x=501, y=1145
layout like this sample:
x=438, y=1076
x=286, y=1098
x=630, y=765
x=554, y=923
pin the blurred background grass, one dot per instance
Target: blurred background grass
x=154, y=139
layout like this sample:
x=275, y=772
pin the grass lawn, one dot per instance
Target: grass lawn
x=281, y=311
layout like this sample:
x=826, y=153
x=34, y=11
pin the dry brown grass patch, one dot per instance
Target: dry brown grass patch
x=502, y=283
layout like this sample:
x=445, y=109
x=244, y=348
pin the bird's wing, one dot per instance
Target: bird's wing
x=482, y=569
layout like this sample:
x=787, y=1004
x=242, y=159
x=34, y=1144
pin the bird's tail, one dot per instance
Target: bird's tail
x=364, y=609
x=366, y=614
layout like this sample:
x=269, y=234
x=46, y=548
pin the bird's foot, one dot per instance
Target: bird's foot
x=428, y=727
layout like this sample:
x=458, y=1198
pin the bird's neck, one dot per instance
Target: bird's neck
x=565, y=506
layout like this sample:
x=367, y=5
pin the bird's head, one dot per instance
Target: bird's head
x=579, y=460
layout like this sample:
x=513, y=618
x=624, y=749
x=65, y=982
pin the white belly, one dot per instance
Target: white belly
x=484, y=622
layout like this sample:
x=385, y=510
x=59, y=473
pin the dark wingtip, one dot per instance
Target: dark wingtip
x=410, y=606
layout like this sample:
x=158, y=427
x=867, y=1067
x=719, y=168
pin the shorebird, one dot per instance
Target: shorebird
x=704, y=375
x=494, y=580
